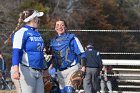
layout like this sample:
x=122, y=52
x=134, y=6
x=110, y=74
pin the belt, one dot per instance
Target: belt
x=62, y=69
x=92, y=66
x=32, y=68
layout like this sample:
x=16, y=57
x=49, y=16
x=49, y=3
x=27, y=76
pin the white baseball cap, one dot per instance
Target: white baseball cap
x=89, y=45
x=35, y=14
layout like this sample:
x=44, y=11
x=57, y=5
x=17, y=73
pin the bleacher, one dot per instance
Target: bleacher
x=126, y=73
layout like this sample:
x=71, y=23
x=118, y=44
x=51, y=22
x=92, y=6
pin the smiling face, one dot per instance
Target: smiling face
x=60, y=27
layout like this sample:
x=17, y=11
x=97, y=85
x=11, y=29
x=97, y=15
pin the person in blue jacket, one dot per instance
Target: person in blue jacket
x=93, y=68
x=27, y=55
x=66, y=48
x=2, y=70
x=2, y=63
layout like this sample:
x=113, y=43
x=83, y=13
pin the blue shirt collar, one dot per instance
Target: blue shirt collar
x=29, y=27
x=63, y=35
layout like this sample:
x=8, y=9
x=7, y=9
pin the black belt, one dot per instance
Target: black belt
x=61, y=69
x=32, y=68
x=92, y=66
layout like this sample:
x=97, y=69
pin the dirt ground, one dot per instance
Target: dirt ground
x=7, y=91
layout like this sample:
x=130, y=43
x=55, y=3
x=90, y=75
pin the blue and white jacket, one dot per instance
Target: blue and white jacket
x=28, y=48
x=66, y=49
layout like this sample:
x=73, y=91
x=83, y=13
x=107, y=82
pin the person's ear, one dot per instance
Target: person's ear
x=36, y=21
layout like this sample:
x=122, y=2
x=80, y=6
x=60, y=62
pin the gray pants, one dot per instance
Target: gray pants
x=91, y=82
x=31, y=81
x=106, y=83
x=64, y=76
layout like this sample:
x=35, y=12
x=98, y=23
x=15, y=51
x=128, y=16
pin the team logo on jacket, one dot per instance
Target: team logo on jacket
x=30, y=34
x=36, y=38
x=58, y=44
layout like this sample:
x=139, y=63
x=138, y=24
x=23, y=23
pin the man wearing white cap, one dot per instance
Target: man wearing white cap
x=27, y=56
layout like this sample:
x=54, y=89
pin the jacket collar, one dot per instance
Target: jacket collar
x=29, y=27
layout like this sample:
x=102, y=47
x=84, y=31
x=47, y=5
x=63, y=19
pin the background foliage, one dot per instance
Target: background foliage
x=79, y=14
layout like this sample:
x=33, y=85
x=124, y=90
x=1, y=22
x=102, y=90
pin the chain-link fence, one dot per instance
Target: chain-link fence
x=123, y=41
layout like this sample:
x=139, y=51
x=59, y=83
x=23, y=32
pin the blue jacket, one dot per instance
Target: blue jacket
x=2, y=64
x=28, y=48
x=93, y=58
x=66, y=49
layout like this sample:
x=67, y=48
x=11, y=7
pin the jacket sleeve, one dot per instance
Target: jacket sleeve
x=100, y=61
x=78, y=49
x=18, y=41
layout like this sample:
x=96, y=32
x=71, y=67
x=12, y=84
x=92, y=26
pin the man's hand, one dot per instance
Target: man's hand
x=16, y=75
